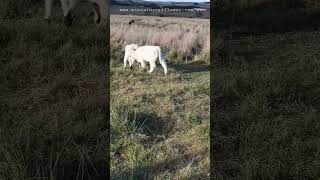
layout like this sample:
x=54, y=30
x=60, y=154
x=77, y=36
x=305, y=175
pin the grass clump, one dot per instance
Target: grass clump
x=52, y=100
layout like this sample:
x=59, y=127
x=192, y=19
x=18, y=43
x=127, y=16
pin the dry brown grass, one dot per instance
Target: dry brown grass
x=187, y=36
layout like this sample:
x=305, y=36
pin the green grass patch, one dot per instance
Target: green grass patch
x=159, y=124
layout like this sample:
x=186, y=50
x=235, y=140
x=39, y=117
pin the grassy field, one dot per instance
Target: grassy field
x=52, y=99
x=160, y=125
x=266, y=103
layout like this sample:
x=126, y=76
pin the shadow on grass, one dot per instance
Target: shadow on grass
x=195, y=66
x=77, y=170
x=152, y=125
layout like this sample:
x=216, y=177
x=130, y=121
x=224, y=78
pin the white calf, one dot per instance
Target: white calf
x=145, y=54
x=100, y=9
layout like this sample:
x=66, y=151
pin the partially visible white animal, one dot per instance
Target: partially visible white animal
x=128, y=51
x=100, y=9
x=144, y=54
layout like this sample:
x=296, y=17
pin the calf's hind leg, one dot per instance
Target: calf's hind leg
x=143, y=65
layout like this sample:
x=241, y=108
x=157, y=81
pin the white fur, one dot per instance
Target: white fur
x=100, y=10
x=144, y=54
x=129, y=50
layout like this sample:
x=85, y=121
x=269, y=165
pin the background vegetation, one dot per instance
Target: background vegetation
x=181, y=39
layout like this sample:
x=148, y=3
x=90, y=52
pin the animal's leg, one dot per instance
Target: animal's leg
x=48, y=7
x=164, y=65
x=143, y=65
x=152, y=66
x=125, y=60
x=162, y=61
x=131, y=61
